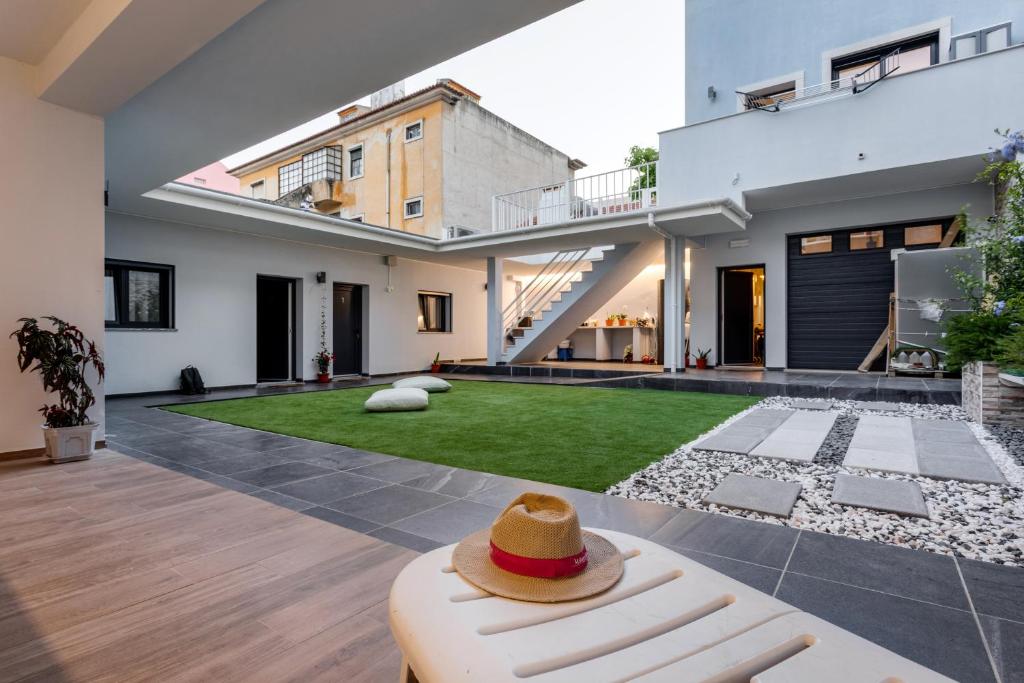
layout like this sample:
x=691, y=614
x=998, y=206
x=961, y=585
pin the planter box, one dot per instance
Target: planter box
x=988, y=400
x=67, y=444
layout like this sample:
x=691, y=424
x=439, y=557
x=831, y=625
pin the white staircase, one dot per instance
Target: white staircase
x=565, y=293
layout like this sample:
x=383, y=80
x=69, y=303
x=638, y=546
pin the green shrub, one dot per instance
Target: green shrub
x=1010, y=351
x=975, y=336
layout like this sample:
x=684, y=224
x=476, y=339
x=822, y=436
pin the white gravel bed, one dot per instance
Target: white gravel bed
x=978, y=521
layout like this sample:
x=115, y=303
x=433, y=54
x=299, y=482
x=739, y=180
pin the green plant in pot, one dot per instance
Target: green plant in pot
x=62, y=357
x=435, y=365
x=702, y=358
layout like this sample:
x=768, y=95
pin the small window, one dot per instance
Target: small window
x=819, y=244
x=258, y=190
x=435, y=312
x=922, y=234
x=871, y=64
x=414, y=131
x=138, y=295
x=414, y=207
x=289, y=177
x=869, y=239
x=355, y=162
x=199, y=181
x=767, y=97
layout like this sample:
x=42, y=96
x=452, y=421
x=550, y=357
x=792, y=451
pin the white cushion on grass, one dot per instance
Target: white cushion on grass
x=424, y=382
x=396, y=400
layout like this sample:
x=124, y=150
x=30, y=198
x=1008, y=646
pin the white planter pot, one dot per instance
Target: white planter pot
x=66, y=444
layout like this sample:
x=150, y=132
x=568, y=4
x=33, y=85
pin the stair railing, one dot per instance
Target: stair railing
x=551, y=280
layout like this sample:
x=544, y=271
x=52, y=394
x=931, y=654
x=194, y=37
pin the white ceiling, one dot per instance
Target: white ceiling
x=30, y=28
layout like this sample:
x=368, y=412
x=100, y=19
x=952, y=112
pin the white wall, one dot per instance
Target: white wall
x=215, y=311
x=767, y=234
x=51, y=229
x=638, y=296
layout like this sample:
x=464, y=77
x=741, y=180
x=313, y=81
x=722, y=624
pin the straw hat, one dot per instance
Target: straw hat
x=536, y=551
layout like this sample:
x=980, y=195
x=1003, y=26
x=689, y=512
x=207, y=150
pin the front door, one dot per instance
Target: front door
x=274, y=329
x=741, y=321
x=348, y=329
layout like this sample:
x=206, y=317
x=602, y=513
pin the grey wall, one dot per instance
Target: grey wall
x=767, y=231
x=731, y=43
x=215, y=312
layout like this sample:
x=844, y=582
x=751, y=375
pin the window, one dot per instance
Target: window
x=767, y=97
x=819, y=244
x=922, y=234
x=322, y=164
x=435, y=312
x=414, y=207
x=869, y=239
x=289, y=177
x=199, y=181
x=414, y=131
x=138, y=295
x=258, y=190
x=914, y=54
x=978, y=42
x=355, y=162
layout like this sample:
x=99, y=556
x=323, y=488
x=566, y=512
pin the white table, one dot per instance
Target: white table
x=608, y=343
x=668, y=619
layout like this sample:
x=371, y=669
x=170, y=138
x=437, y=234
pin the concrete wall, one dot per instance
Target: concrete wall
x=215, y=311
x=51, y=228
x=485, y=155
x=742, y=42
x=767, y=232
x=638, y=296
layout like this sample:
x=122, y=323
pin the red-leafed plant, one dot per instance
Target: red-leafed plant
x=61, y=357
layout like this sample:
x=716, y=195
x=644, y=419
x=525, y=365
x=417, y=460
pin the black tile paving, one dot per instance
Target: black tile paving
x=739, y=539
x=274, y=475
x=1005, y=639
x=330, y=487
x=389, y=504
x=764, y=579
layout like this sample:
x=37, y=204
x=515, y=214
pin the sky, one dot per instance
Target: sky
x=591, y=80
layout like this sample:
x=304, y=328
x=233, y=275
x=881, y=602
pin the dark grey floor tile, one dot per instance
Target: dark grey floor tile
x=189, y=450
x=620, y=514
x=330, y=487
x=457, y=482
x=388, y=505
x=449, y=523
x=225, y=482
x=241, y=463
x=1006, y=643
x=763, y=579
x=940, y=638
x=401, y=470
x=333, y=456
x=908, y=573
x=996, y=589
x=341, y=519
x=503, y=490
x=280, y=474
x=249, y=439
x=281, y=500
x=410, y=541
x=740, y=539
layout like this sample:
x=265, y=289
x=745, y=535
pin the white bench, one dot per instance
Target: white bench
x=668, y=619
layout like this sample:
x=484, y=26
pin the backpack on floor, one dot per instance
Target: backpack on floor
x=192, y=381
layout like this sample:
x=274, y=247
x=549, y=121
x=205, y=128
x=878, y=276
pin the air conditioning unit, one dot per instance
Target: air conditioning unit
x=453, y=231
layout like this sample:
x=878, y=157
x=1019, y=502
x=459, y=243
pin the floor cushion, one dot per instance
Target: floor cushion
x=396, y=400
x=425, y=382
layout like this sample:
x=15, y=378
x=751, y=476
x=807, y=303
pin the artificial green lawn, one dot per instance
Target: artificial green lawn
x=587, y=438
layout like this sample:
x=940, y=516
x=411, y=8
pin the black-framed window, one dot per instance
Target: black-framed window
x=324, y=163
x=435, y=312
x=289, y=177
x=138, y=295
x=355, y=161
x=414, y=207
x=414, y=131
x=915, y=53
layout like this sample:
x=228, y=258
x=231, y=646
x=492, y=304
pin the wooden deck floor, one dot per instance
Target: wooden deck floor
x=115, y=569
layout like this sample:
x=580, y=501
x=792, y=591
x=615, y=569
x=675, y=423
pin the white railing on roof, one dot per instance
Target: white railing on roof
x=621, y=191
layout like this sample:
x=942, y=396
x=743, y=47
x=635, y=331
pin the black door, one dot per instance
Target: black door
x=274, y=313
x=737, y=317
x=348, y=329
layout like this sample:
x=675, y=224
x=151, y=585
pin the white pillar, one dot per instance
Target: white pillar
x=675, y=304
x=495, y=329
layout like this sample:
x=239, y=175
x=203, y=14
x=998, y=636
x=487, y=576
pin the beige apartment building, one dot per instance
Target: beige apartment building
x=427, y=163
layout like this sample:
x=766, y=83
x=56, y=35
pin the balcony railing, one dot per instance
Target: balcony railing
x=621, y=191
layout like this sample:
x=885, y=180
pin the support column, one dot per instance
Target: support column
x=675, y=304
x=495, y=329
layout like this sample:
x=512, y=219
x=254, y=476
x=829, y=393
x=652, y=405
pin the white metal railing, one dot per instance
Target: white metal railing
x=855, y=83
x=555, y=277
x=621, y=191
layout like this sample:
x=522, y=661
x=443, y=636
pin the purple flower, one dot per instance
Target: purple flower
x=999, y=307
x=1009, y=150
x=1017, y=239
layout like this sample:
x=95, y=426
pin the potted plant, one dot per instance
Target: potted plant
x=610, y=320
x=62, y=357
x=627, y=354
x=702, y=358
x=323, y=360
x=435, y=365
x=622, y=319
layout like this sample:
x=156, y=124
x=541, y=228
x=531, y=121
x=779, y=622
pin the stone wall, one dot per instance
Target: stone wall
x=989, y=401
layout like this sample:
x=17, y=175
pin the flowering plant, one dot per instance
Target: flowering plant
x=323, y=360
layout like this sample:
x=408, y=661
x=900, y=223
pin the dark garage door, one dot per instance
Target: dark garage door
x=839, y=299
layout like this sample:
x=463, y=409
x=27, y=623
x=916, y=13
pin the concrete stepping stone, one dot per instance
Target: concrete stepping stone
x=811, y=405
x=878, y=405
x=887, y=495
x=798, y=438
x=947, y=449
x=884, y=443
x=743, y=492
x=745, y=433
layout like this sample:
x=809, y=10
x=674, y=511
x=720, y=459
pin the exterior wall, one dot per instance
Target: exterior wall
x=485, y=155
x=52, y=257
x=733, y=44
x=214, y=176
x=987, y=400
x=215, y=305
x=767, y=232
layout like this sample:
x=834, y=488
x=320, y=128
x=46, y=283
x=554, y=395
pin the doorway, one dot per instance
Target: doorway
x=348, y=329
x=741, y=316
x=275, y=329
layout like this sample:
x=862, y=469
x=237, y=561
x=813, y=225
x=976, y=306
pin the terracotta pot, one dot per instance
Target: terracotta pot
x=323, y=377
x=435, y=367
x=609, y=322
x=622, y=322
x=702, y=363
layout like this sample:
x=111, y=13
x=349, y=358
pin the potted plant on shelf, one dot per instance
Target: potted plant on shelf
x=62, y=357
x=323, y=360
x=610, y=320
x=702, y=358
x=435, y=365
x=622, y=319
